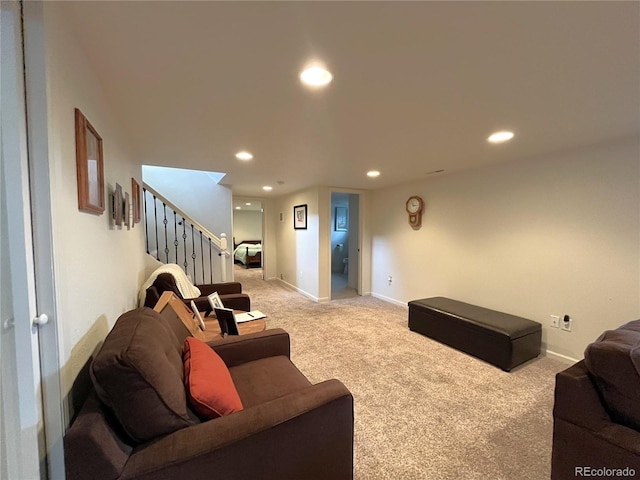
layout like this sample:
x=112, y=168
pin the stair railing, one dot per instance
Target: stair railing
x=172, y=236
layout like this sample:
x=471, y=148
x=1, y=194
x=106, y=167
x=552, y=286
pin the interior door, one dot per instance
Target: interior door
x=20, y=405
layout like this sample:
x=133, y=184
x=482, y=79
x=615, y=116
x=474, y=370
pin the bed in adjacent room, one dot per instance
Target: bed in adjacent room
x=248, y=253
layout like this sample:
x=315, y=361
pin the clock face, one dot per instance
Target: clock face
x=413, y=205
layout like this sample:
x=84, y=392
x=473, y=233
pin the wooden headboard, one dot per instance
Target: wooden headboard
x=254, y=242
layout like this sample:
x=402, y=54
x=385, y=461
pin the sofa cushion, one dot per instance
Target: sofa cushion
x=138, y=373
x=210, y=390
x=613, y=361
x=266, y=379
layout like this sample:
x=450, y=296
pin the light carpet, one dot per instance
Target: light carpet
x=422, y=409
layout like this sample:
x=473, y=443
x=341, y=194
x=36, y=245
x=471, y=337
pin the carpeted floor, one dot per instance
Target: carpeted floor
x=422, y=410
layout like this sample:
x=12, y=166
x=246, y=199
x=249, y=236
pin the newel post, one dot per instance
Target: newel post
x=223, y=256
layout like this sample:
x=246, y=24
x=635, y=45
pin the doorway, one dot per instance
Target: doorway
x=344, y=245
x=248, y=231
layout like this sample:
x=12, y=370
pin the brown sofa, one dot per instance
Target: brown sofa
x=596, y=428
x=136, y=423
x=230, y=293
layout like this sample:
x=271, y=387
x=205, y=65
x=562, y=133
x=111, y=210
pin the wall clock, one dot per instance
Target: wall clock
x=414, y=206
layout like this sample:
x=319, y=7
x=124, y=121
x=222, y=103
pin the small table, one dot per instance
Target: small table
x=212, y=327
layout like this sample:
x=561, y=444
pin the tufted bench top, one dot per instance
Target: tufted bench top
x=479, y=318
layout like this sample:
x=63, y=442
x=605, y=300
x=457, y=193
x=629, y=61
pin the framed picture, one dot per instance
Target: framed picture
x=136, y=200
x=126, y=211
x=342, y=219
x=215, y=301
x=89, y=166
x=197, y=316
x=300, y=217
x=118, y=216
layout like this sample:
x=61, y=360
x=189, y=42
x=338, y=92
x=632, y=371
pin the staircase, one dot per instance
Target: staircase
x=171, y=236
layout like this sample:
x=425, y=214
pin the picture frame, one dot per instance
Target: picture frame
x=89, y=166
x=227, y=321
x=118, y=200
x=300, y=217
x=197, y=316
x=136, y=201
x=126, y=211
x=341, y=219
x=214, y=301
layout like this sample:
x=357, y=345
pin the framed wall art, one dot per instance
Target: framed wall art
x=300, y=217
x=89, y=166
x=342, y=219
x=136, y=200
x=126, y=212
x=118, y=210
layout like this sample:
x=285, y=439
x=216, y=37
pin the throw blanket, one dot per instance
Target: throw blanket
x=187, y=289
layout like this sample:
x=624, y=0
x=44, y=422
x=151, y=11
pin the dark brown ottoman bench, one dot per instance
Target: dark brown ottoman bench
x=498, y=338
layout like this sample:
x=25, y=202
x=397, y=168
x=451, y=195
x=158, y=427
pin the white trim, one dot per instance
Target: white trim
x=302, y=292
x=390, y=300
x=39, y=174
x=26, y=449
x=562, y=358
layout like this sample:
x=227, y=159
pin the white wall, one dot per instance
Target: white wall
x=198, y=196
x=298, y=251
x=247, y=225
x=553, y=235
x=98, y=268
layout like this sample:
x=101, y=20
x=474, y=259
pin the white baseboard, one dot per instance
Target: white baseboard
x=302, y=292
x=562, y=358
x=389, y=299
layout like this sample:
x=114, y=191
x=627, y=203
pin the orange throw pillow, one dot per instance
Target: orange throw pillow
x=210, y=389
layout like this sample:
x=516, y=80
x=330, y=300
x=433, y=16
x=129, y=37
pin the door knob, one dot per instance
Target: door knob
x=41, y=319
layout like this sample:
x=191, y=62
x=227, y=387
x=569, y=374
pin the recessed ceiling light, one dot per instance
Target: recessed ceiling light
x=248, y=203
x=500, y=137
x=373, y=173
x=316, y=77
x=243, y=155
x=267, y=188
x=237, y=208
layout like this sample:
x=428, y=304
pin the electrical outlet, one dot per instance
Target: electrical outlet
x=390, y=279
x=555, y=321
x=566, y=323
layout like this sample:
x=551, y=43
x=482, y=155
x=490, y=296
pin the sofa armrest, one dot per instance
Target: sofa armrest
x=236, y=301
x=223, y=288
x=574, y=388
x=583, y=432
x=237, y=349
x=306, y=434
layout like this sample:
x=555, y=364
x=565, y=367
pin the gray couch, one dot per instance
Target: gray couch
x=136, y=423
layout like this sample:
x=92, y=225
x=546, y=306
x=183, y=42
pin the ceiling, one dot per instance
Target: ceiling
x=417, y=86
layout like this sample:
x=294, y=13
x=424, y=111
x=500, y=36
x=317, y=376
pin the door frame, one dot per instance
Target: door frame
x=28, y=446
x=42, y=224
x=364, y=242
x=26, y=156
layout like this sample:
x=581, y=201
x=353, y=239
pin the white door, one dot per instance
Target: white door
x=20, y=416
x=30, y=436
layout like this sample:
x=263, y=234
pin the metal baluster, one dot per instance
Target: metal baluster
x=175, y=234
x=210, y=263
x=155, y=217
x=193, y=254
x=184, y=242
x=166, y=239
x=202, y=256
x=146, y=223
